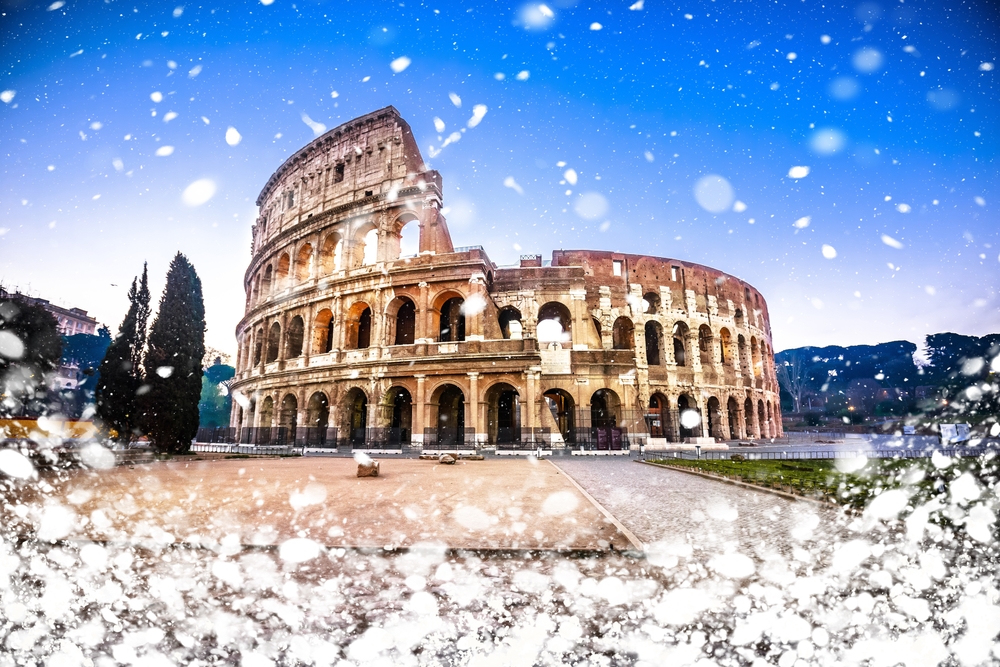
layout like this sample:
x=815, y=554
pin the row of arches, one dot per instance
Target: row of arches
x=400, y=318
x=711, y=349
x=554, y=325
x=731, y=418
x=334, y=253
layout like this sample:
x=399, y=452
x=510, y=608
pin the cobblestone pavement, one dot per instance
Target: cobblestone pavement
x=685, y=513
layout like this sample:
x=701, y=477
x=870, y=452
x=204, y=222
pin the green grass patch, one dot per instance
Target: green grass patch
x=821, y=479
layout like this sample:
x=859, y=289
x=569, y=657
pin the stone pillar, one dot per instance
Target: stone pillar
x=581, y=320
x=308, y=336
x=339, y=336
x=724, y=421
x=423, y=320
x=420, y=413
x=474, y=325
x=265, y=330
x=473, y=402
x=695, y=349
x=529, y=401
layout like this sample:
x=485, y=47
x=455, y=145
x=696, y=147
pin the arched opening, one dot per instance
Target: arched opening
x=451, y=321
x=604, y=406
x=733, y=412
x=510, y=322
x=281, y=274
x=658, y=416
x=303, y=263
x=451, y=416
x=409, y=239
x=705, y=343
x=356, y=416
x=323, y=332
x=741, y=349
x=748, y=412
x=503, y=414
x=693, y=429
x=370, y=253
x=265, y=285
x=288, y=419
x=715, y=419
x=359, y=326
x=267, y=412
x=755, y=358
x=258, y=347
x=771, y=432
x=398, y=406
x=293, y=344
x=563, y=409
x=255, y=292
x=317, y=418
x=651, y=303
x=653, y=335
x=762, y=420
x=273, y=342
x=554, y=323
x=680, y=335
x=331, y=255
x=725, y=347
x=623, y=334
x=405, y=322
x=604, y=416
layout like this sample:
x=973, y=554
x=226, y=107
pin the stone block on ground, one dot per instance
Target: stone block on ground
x=369, y=469
x=447, y=459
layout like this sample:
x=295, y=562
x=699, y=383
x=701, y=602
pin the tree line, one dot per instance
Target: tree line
x=956, y=378
x=149, y=381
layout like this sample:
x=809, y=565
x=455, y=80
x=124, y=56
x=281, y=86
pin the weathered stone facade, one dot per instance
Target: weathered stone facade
x=341, y=331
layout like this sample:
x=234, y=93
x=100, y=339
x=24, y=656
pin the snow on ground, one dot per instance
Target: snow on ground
x=731, y=577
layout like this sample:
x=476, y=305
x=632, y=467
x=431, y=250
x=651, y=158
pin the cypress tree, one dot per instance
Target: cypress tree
x=121, y=372
x=173, y=361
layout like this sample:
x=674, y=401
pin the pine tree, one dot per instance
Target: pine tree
x=173, y=361
x=118, y=405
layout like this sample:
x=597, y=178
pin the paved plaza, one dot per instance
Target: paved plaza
x=512, y=504
x=681, y=510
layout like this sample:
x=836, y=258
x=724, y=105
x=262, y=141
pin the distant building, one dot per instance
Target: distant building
x=69, y=321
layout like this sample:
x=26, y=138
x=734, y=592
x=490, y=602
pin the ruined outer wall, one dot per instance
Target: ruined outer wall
x=326, y=248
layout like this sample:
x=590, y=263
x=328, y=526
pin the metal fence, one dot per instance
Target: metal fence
x=727, y=455
x=449, y=439
x=312, y=437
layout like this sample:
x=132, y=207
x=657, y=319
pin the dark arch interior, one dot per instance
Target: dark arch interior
x=452, y=326
x=451, y=416
x=406, y=322
x=562, y=407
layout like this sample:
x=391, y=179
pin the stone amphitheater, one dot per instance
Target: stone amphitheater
x=366, y=326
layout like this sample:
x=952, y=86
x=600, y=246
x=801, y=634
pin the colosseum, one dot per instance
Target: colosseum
x=365, y=327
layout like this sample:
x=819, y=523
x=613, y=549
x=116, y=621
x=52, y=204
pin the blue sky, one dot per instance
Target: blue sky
x=842, y=158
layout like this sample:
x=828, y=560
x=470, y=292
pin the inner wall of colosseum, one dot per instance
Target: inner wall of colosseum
x=364, y=323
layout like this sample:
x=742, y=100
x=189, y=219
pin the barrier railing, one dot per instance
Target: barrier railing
x=827, y=453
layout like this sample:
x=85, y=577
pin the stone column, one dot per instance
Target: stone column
x=695, y=348
x=423, y=320
x=473, y=403
x=420, y=413
x=581, y=320
x=339, y=339
x=475, y=326
x=308, y=336
x=529, y=401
